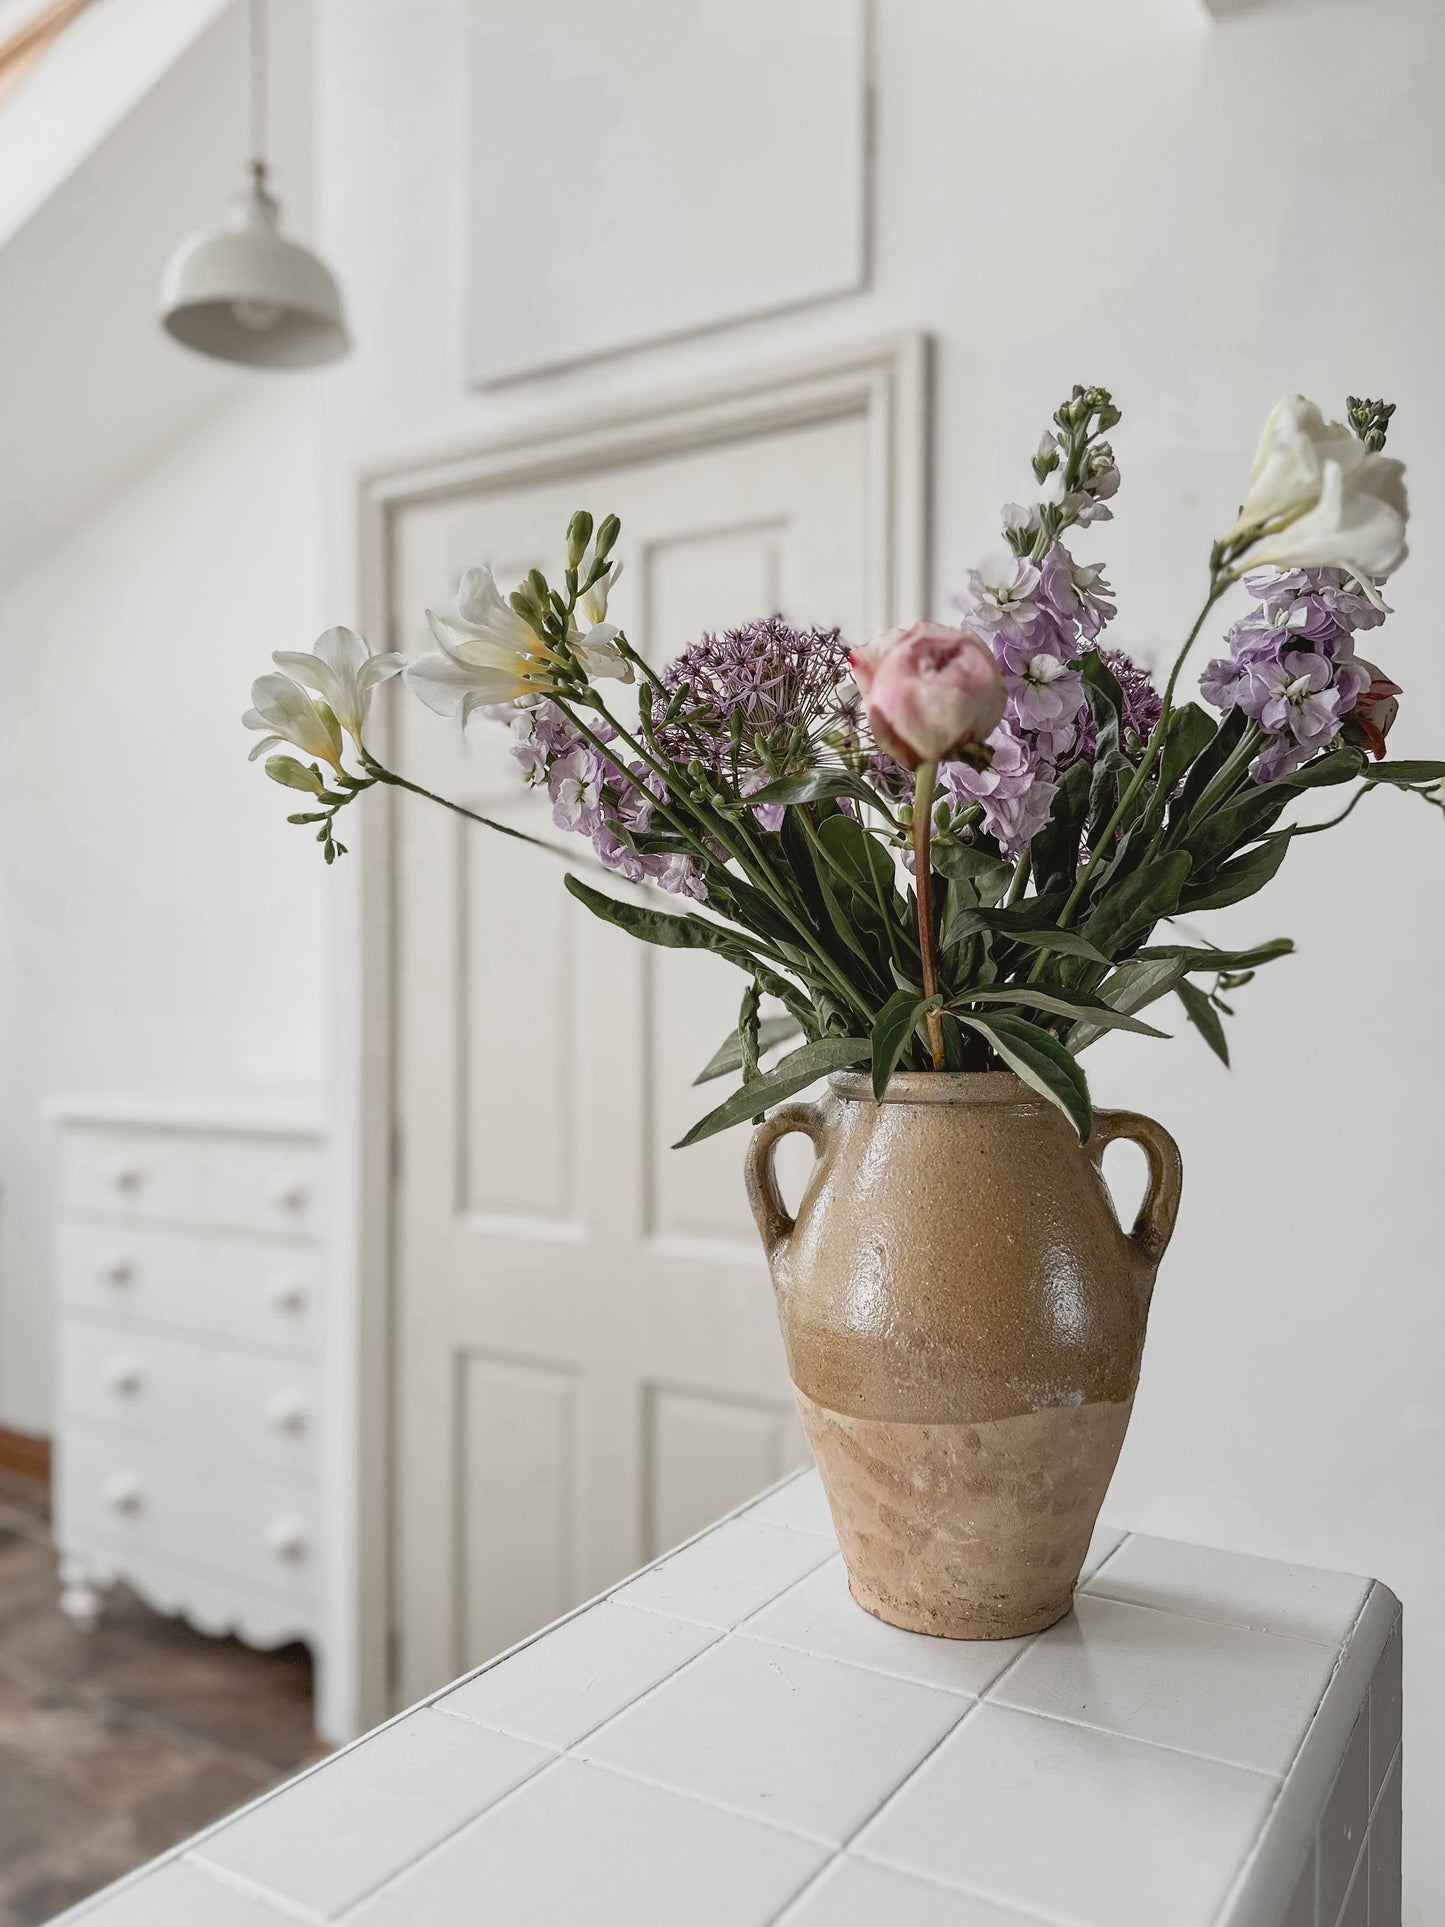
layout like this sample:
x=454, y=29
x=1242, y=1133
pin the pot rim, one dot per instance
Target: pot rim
x=940, y=1087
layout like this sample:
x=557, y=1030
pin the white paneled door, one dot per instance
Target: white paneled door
x=585, y=1361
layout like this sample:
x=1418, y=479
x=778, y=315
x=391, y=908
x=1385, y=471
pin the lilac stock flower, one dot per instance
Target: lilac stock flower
x=1039, y=619
x=599, y=796
x=1291, y=666
x=1076, y=593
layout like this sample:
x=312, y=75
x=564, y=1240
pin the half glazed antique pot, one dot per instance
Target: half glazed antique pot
x=964, y=1317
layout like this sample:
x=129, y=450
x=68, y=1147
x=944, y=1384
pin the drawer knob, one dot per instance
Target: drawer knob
x=122, y=1374
x=286, y=1412
x=123, y=1492
x=289, y=1194
x=287, y=1295
x=127, y=1177
x=286, y=1539
x=117, y=1271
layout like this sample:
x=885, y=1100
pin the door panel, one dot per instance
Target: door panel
x=586, y=1359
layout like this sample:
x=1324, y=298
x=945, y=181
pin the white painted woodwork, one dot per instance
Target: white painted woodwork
x=586, y=1361
x=191, y=1399
x=731, y=145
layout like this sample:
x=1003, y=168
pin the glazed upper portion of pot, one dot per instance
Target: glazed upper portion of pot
x=957, y=1256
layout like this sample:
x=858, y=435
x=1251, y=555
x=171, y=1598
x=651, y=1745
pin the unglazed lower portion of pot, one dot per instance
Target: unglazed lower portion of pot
x=964, y=1318
x=966, y=1531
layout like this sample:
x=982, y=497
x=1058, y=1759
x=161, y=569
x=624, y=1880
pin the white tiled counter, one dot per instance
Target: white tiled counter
x=727, y=1740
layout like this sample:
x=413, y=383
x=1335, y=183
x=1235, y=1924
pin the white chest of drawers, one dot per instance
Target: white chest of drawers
x=191, y=1310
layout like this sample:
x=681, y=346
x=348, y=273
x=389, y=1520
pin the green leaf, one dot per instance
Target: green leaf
x=1239, y=879
x=1207, y=765
x=1190, y=958
x=295, y=776
x=797, y=1070
x=860, y=856
x=1204, y=1017
x=1191, y=730
x=1335, y=766
x=1392, y=772
x=1080, y=1008
x=729, y=1054
x=1043, y=1064
x=816, y=786
x=1022, y=926
x=1055, y=849
x=1138, y=901
x=681, y=933
x=1139, y=981
x=894, y=1026
x=986, y=877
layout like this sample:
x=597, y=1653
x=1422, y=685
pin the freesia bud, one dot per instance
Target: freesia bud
x=930, y=691
x=579, y=534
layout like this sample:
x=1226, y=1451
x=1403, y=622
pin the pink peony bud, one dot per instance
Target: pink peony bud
x=930, y=691
x=1375, y=711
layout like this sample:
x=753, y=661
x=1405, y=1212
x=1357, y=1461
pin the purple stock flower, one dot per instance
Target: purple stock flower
x=1291, y=666
x=598, y=796
x=1039, y=619
x=1076, y=594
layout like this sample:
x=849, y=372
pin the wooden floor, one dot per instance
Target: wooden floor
x=117, y=1743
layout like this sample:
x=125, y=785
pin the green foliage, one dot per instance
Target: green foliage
x=797, y=1070
x=728, y=1056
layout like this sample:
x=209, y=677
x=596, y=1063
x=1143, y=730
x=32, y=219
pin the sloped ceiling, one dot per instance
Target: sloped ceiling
x=116, y=146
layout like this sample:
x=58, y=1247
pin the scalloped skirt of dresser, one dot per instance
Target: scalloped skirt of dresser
x=231, y=1549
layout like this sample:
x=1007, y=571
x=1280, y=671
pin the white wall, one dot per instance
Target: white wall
x=160, y=922
x=1242, y=207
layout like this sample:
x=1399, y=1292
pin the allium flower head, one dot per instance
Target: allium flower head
x=766, y=698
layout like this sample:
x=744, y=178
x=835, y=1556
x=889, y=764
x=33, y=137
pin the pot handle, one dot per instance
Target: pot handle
x=772, y=1215
x=1154, y=1226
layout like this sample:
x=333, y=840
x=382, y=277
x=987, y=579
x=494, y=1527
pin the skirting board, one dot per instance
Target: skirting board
x=22, y=1452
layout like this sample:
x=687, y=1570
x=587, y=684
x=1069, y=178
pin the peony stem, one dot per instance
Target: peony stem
x=923, y=880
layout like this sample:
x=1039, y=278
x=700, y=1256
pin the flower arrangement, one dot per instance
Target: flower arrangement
x=949, y=848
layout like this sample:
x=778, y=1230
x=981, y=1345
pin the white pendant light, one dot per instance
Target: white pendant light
x=242, y=292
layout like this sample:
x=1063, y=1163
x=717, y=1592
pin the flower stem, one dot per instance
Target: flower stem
x=923, y=880
x=380, y=774
x=1146, y=761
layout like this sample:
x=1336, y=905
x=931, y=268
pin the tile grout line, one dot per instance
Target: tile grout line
x=279, y=1904
x=976, y=1701
x=1202, y=1619
x=394, y=1879
x=1137, y=1739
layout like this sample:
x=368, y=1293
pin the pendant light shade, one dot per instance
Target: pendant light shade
x=243, y=292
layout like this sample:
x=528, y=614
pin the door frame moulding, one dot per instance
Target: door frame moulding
x=883, y=380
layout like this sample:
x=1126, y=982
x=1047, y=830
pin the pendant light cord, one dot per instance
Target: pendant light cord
x=257, y=11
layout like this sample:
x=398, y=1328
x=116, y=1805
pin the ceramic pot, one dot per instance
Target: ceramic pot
x=964, y=1317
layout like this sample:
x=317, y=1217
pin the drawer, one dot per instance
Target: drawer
x=133, y=1174
x=138, y=1496
x=253, y=1294
x=247, y=1409
x=266, y=1184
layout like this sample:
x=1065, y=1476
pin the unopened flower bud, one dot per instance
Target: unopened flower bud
x=579, y=533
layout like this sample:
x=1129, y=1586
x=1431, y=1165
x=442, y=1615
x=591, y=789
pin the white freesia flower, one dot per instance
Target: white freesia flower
x=290, y=714
x=596, y=646
x=343, y=670
x=593, y=603
x=1319, y=498
x=488, y=654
